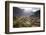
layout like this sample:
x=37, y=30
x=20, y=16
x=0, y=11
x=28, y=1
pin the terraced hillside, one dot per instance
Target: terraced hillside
x=26, y=21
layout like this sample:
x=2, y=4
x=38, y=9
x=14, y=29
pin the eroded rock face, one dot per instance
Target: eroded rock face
x=26, y=21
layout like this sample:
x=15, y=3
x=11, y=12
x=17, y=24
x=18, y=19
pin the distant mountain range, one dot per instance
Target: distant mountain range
x=20, y=12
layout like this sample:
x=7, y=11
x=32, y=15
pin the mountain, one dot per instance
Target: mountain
x=37, y=13
x=21, y=12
